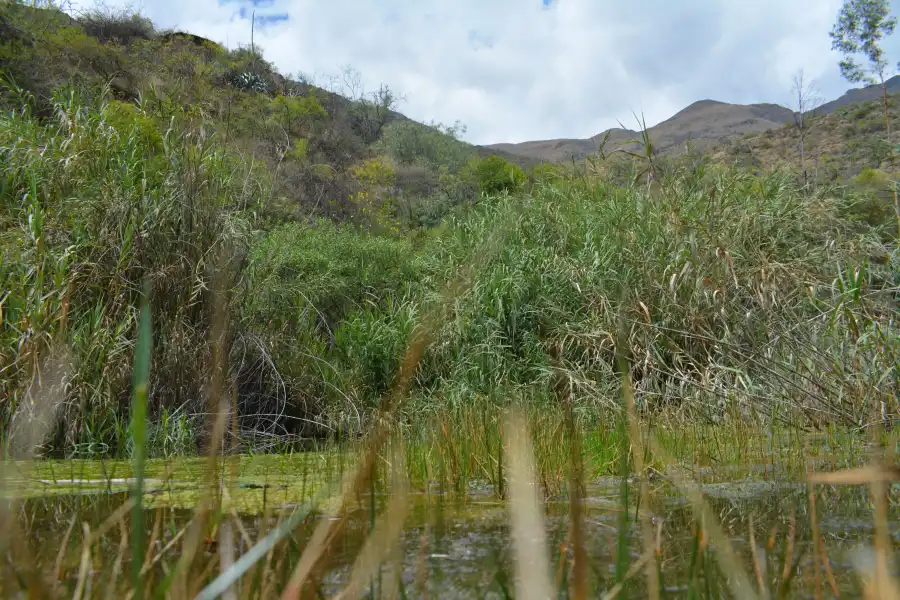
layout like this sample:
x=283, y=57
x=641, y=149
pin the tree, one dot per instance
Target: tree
x=805, y=100
x=860, y=27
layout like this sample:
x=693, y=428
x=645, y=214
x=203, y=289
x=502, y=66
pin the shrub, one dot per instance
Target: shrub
x=121, y=26
x=434, y=145
x=494, y=175
x=111, y=203
x=869, y=176
x=315, y=292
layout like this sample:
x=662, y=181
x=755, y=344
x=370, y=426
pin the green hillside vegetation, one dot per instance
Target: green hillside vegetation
x=841, y=144
x=300, y=241
x=132, y=155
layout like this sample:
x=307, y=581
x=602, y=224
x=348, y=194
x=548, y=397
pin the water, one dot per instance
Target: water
x=452, y=545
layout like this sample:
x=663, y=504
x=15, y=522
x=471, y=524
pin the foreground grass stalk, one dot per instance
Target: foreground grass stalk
x=533, y=580
x=141, y=377
x=637, y=446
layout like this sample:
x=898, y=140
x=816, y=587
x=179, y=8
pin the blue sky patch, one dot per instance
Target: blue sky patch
x=255, y=3
x=262, y=20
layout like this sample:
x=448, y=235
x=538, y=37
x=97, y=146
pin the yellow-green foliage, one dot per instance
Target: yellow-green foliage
x=300, y=149
x=128, y=119
x=297, y=111
x=375, y=177
x=374, y=172
x=872, y=177
x=547, y=172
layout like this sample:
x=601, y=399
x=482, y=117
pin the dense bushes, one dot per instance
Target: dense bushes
x=494, y=175
x=94, y=204
x=718, y=305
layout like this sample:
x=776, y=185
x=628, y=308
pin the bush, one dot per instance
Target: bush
x=111, y=203
x=495, y=175
x=434, y=145
x=872, y=177
x=586, y=270
x=121, y=26
x=325, y=270
x=318, y=296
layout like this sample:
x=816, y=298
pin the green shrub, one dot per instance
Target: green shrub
x=320, y=297
x=869, y=177
x=494, y=175
x=325, y=270
x=434, y=145
x=111, y=203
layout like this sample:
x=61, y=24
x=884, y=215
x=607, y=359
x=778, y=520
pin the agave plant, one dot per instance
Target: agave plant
x=249, y=81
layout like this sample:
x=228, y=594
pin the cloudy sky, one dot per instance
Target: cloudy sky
x=516, y=70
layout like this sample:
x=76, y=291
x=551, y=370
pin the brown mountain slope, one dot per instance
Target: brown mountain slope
x=704, y=122
x=872, y=92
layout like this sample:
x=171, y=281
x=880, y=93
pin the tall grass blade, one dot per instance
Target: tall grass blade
x=229, y=576
x=141, y=379
x=526, y=523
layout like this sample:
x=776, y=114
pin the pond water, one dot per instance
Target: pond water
x=458, y=545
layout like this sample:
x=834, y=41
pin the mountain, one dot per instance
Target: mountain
x=706, y=123
x=872, y=92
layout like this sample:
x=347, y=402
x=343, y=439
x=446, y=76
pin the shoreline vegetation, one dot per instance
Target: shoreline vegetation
x=259, y=338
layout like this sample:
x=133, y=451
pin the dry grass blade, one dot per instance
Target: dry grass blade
x=638, y=454
x=826, y=564
x=887, y=585
x=865, y=561
x=63, y=546
x=29, y=427
x=738, y=580
x=117, y=564
x=261, y=549
x=85, y=563
x=163, y=551
x=526, y=522
x=858, y=476
x=576, y=489
x=36, y=414
x=759, y=564
x=226, y=555
x=877, y=579
x=329, y=529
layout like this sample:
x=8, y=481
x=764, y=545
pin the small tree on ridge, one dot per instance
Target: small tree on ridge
x=860, y=27
x=805, y=101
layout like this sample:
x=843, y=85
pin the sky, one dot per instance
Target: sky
x=517, y=70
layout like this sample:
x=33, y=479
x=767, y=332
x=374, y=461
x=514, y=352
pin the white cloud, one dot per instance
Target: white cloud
x=514, y=70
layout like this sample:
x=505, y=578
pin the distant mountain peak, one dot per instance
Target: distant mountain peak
x=705, y=122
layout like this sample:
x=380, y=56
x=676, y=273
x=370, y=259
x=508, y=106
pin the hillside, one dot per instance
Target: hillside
x=261, y=338
x=840, y=145
x=863, y=94
x=706, y=123
x=167, y=160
